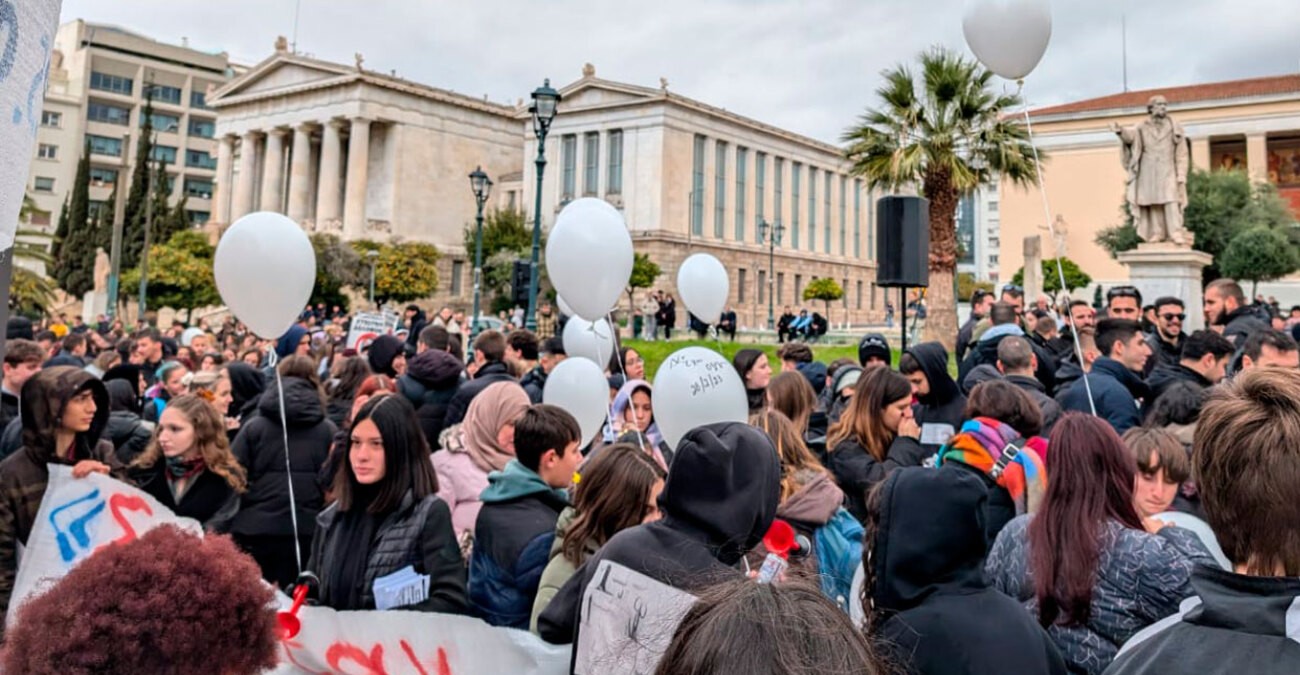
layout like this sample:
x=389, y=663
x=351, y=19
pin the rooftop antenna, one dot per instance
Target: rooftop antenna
x=1123, y=31
x=297, y=5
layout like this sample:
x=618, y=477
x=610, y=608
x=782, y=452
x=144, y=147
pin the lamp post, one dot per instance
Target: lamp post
x=772, y=237
x=543, y=109
x=482, y=186
x=372, y=255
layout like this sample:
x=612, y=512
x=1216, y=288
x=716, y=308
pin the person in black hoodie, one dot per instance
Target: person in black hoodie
x=719, y=501
x=246, y=386
x=125, y=429
x=925, y=594
x=939, y=403
x=264, y=526
x=1225, y=305
x=490, y=355
x=386, y=356
x=415, y=321
x=429, y=384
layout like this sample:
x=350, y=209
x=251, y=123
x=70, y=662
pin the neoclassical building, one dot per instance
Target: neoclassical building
x=345, y=149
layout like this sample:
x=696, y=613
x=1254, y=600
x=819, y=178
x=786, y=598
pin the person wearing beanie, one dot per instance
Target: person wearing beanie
x=387, y=356
x=874, y=350
x=842, y=386
x=718, y=502
x=19, y=327
x=755, y=372
x=429, y=384
x=294, y=341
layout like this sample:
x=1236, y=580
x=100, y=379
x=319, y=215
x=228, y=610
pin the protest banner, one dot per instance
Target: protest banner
x=628, y=621
x=367, y=326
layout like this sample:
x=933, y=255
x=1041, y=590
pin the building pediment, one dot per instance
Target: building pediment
x=281, y=74
x=591, y=93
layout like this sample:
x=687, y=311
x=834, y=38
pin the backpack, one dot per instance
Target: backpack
x=839, y=552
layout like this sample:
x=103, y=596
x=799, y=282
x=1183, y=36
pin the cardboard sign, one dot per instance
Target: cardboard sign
x=628, y=621
x=367, y=326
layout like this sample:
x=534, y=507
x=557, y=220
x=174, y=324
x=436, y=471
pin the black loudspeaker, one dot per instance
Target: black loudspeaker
x=903, y=233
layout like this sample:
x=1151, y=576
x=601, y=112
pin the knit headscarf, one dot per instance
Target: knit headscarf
x=493, y=408
x=981, y=444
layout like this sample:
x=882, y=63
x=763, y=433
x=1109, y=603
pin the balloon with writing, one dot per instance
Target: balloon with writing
x=593, y=341
x=580, y=388
x=589, y=257
x=696, y=386
x=1008, y=36
x=265, y=269
x=703, y=284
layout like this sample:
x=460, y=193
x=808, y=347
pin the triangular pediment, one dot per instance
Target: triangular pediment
x=281, y=73
x=592, y=93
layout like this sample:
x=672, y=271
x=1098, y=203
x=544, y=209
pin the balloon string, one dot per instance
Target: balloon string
x=288, y=472
x=622, y=370
x=1051, y=229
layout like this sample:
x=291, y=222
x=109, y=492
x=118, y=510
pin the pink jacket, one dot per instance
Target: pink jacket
x=460, y=482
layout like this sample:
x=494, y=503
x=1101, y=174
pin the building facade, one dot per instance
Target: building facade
x=1244, y=124
x=99, y=77
x=979, y=233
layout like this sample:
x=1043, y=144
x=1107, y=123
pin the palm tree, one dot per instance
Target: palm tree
x=949, y=133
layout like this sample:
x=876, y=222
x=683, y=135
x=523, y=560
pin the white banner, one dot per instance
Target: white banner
x=367, y=326
x=628, y=621
x=26, y=38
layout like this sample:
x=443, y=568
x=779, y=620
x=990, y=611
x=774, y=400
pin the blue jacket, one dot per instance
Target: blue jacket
x=1115, y=390
x=514, y=532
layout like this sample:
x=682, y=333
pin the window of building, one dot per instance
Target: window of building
x=719, y=188
x=95, y=206
x=165, y=94
x=199, y=99
x=511, y=196
x=102, y=176
x=198, y=217
x=108, y=113
x=798, y=288
x=844, y=221
x=697, y=187
x=993, y=260
x=762, y=286
x=51, y=119
x=569, y=164
x=778, y=171
x=43, y=184
x=857, y=218
x=39, y=217
x=845, y=288
x=47, y=151
x=859, y=303
x=200, y=159
x=203, y=128
x=826, y=227
x=812, y=208
x=198, y=187
x=740, y=286
x=614, y=170
x=457, y=271
x=164, y=153
x=795, y=175
x=590, y=163
x=780, y=288
x=993, y=207
x=742, y=166
x=103, y=145
x=760, y=189
x=112, y=83
x=164, y=122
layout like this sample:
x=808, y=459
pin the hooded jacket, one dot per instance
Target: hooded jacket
x=1243, y=322
x=488, y=375
x=514, y=533
x=125, y=430
x=985, y=351
x=259, y=447
x=288, y=343
x=932, y=607
x=383, y=351
x=944, y=404
x=534, y=382
x=1115, y=391
x=1016, y=480
x=1163, y=353
x=1164, y=377
x=24, y=474
x=246, y=386
x=718, y=502
x=429, y=384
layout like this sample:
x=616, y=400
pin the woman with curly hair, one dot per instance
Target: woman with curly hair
x=177, y=603
x=188, y=465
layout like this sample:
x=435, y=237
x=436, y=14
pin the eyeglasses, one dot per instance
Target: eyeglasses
x=1174, y=317
x=1012, y=287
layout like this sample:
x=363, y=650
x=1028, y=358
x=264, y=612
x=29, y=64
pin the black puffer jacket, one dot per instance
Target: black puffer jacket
x=1244, y=322
x=487, y=375
x=264, y=508
x=429, y=384
x=125, y=429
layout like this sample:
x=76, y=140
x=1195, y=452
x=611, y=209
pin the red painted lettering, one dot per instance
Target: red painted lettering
x=442, y=666
x=373, y=663
x=119, y=502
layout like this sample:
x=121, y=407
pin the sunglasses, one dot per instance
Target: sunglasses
x=1123, y=292
x=1173, y=317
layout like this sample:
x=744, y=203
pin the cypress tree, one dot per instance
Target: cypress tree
x=61, y=231
x=133, y=219
x=104, y=223
x=75, y=265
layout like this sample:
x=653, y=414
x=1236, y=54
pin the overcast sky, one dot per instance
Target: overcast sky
x=810, y=66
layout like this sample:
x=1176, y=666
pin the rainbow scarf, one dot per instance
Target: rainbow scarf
x=981, y=443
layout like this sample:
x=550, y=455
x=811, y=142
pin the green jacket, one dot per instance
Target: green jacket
x=559, y=569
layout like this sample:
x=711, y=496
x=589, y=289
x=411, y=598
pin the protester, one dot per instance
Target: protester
x=1114, y=383
x=125, y=430
x=149, y=350
x=346, y=374
x=1167, y=340
x=1005, y=324
x=876, y=434
x=1247, y=453
x=264, y=526
x=1124, y=302
x=188, y=466
x=415, y=320
x=550, y=355
x=1082, y=316
x=981, y=302
x=743, y=627
x=1162, y=466
x=483, y=444
x=633, y=414
x=1226, y=306
x=791, y=395
x=756, y=373
x=386, y=517
x=386, y=356
x=629, y=363
x=717, y=504
x=372, y=386
x=618, y=489
x=874, y=350
x=1270, y=349
x=489, y=361
x=924, y=591
x=939, y=402
x=116, y=612
x=1203, y=362
x=170, y=383
x=430, y=382
x=212, y=386
x=246, y=386
x=22, y=360
x=1086, y=564
x=843, y=381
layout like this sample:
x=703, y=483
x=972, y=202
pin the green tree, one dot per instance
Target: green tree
x=507, y=237
x=337, y=265
x=825, y=289
x=104, y=227
x=966, y=286
x=644, y=273
x=1259, y=254
x=139, y=194
x=60, y=230
x=74, y=267
x=1074, y=276
x=31, y=293
x=948, y=131
x=180, y=273
x=404, y=271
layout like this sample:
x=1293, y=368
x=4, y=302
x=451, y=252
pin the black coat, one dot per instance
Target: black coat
x=857, y=471
x=534, y=382
x=8, y=408
x=933, y=609
x=430, y=384
x=209, y=499
x=488, y=375
x=985, y=352
x=128, y=434
x=945, y=403
x=1164, y=377
x=1115, y=391
x=259, y=446
x=1162, y=353
x=1050, y=408
x=1244, y=322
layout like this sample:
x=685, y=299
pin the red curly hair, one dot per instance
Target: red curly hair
x=169, y=602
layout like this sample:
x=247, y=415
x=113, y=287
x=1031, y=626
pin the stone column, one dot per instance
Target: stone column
x=354, y=205
x=300, y=174
x=327, y=196
x=1201, y=153
x=273, y=172
x=242, y=204
x=1257, y=157
x=221, y=201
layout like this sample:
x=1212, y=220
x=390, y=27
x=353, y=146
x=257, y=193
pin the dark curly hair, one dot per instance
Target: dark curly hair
x=176, y=603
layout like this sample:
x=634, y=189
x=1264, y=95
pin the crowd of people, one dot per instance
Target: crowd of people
x=1019, y=517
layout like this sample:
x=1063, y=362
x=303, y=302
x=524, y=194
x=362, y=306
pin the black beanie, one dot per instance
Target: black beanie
x=383, y=350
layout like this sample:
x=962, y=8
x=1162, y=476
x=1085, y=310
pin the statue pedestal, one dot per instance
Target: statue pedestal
x=93, y=303
x=1167, y=270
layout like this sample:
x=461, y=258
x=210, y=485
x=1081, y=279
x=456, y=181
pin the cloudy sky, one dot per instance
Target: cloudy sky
x=810, y=66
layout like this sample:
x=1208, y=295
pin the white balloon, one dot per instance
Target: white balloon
x=703, y=284
x=1008, y=36
x=265, y=269
x=580, y=388
x=565, y=309
x=589, y=257
x=696, y=386
x=592, y=341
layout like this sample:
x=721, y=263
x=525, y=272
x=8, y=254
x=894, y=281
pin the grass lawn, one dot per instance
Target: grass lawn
x=654, y=353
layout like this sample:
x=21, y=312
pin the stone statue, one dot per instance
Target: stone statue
x=588, y=70
x=663, y=83
x=103, y=268
x=1060, y=236
x=361, y=60
x=281, y=44
x=1156, y=158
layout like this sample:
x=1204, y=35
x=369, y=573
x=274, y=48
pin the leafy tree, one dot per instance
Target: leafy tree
x=825, y=289
x=966, y=286
x=1074, y=276
x=337, y=265
x=74, y=267
x=139, y=194
x=104, y=226
x=404, y=271
x=507, y=237
x=644, y=273
x=946, y=130
x=30, y=293
x=60, y=230
x=180, y=273
x=1259, y=254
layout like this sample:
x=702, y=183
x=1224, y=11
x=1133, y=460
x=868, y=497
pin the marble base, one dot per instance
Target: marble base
x=1164, y=269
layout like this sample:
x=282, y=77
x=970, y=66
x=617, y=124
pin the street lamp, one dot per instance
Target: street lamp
x=372, y=255
x=482, y=186
x=543, y=109
x=772, y=237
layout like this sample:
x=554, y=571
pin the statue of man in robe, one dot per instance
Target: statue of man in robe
x=1156, y=158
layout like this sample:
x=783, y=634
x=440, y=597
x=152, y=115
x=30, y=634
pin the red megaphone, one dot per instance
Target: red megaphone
x=780, y=539
x=289, y=623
